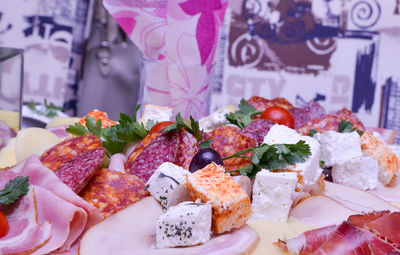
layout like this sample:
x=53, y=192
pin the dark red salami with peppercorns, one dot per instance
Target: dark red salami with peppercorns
x=161, y=149
x=77, y=171
x=257, y=129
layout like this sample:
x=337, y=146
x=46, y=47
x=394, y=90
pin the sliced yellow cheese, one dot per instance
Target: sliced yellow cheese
x=271, y=231
x=62, y=121
x=32, y=141
x=7, y=154
x=11, y=118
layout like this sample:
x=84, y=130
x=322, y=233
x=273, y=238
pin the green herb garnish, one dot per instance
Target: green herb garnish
x=347, y=127
x=50, y=110
x=116, y=137
x=242, y=117
x=312, y=132
x=206, y=144
x=14, y=189
x=194, y=128
x=271, y=157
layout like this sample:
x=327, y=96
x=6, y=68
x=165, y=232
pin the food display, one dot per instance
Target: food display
x=243, y=180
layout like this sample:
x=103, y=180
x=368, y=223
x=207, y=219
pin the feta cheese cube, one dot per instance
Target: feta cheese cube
x=167, y=185
x=337, y=146
x=361, y=172
x=272, y=195
x=309, y=169
x=186, y=224
x=156, y=112
x=230, y=202
x=215, y=119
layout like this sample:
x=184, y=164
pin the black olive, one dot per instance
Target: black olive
x=203, y=158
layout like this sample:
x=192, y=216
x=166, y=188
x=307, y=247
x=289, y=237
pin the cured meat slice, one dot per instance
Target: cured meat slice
x=257, y=130
x=162, y=149
x=67, y=149
x=111, y=191
x=300, y=116
x=346, y=239
x=136, y=231
x=383, y=224
x=26, y=235
x=77, y=172
x=261, y=103
x=331, y=122
x=309, y=241
x=314, y=110
x=117, y=162
x=41, y=176
x=140, y=147
x=187, y=148
x=227, y=141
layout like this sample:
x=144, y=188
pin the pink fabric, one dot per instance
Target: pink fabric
x=180, y=37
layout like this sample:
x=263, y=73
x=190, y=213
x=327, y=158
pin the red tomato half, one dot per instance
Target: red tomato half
x=278, y=114
x=4, y=227
x=160, y=126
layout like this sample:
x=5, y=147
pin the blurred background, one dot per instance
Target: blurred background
x=77, y=57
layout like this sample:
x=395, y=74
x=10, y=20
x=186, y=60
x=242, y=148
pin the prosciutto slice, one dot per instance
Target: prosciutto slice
x=26, y=234
x=374, y=233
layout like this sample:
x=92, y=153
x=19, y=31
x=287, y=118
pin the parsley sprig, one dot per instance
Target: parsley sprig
x=347, y=127
x=193, y=128
x=116, y=137
x=14, y=189
x=242, y=117
x=271, y=157
x=50, y=110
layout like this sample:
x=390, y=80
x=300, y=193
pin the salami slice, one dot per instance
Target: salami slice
x=162, y=149
x=228, y=140
x=142, y=145
x=67, y=149
x=77, y=171
x=261, y=103
x=331, y=122
x=188, y=146
x=111, y=191
x=257, y=129
x=314, y=110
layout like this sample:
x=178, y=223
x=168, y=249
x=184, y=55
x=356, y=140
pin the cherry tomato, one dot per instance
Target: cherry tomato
x=278, y=114
x=160, y=126
x=4, y=227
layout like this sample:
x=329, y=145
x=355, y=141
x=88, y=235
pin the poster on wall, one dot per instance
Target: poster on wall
x=51, y=32
x=337, y=52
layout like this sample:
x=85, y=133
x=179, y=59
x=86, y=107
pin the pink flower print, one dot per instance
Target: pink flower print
x=206, y=30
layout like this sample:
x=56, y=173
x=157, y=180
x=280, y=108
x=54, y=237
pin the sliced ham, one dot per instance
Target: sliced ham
x=26, y=233
x=67, y=220
x=117, y=162
x=41, y=176
x=356, y=199
x=321, y=211
x=65, y=214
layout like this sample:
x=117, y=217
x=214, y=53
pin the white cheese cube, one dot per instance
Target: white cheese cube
x=336, y=146
x=186, y=224
x=215, y=119
x=157, y=113
x=272, y=195
x=167, y=185
x=359, y=172
x=309, y=169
